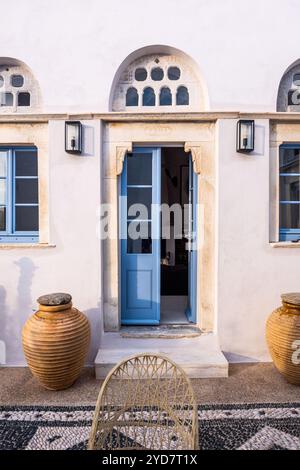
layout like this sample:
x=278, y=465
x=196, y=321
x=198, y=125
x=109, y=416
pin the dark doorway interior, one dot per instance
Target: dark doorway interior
x=174, y=256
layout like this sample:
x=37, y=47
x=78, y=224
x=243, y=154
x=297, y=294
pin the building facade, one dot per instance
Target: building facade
x=159, y=89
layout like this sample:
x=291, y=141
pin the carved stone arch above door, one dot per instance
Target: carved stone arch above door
x=195, y=149
x=120, y=156
x=190, y=147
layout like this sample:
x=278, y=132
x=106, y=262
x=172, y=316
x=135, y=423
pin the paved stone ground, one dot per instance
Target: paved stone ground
x=247, y=383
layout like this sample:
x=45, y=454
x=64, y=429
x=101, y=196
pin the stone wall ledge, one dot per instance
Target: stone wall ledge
x=36, y=246
x=285, y=245
x=208, y=116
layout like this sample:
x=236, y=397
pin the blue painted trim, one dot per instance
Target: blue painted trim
x=140, y=322
x=142, y=186
x=289, y=234
x=290, y=145
x=141, y=261
x=21, y=239
x=10, y=234
x=134, y=317
x=6, y=178
x=289, y=174
x=191, y=311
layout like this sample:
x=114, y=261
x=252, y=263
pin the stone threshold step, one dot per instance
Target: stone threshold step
x=160, y=331
x=196, y=363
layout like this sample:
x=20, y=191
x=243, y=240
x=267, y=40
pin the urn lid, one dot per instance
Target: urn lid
x=292, y=298
x=55, y=299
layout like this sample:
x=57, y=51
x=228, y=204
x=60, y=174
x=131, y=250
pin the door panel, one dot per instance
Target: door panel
x=192, y=237
x=140, y=296
x=140, y=245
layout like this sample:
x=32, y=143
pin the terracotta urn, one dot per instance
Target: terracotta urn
x=56, y=341
x=283, y=337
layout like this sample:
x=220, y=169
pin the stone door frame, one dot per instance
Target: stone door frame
x=197, y=139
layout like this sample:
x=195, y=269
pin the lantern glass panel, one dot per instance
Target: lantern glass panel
x=246, y=136
x=73, y=137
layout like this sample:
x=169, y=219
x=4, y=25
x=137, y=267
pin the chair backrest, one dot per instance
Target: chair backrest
x=146, y=401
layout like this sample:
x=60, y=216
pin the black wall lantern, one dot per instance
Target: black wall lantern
x=245, y=136
x=73, y=137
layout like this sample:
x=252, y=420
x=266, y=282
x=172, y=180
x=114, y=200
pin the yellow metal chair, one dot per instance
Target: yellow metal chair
x=145, y=402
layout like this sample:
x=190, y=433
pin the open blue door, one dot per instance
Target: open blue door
x=140, y=244
x=192, y=245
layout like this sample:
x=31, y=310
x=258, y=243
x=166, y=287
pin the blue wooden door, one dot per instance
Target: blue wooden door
x=140, y=234
x=192, y=245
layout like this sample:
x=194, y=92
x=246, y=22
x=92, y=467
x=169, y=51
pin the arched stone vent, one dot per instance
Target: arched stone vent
x=288, y=98
x=19, y=90
x=158, y=82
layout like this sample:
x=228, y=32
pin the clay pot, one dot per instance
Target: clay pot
x=56, y=341
x=283, y=337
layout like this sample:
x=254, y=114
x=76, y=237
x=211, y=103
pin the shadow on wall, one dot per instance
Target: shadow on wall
x=24, y=298
x=13, y=319
x=94, y=317
x=88, y=141
x=15, y=312
x=3, y=316
x=260, y=132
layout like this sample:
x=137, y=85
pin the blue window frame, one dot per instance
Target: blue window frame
x=19, y=203
x=289, y=164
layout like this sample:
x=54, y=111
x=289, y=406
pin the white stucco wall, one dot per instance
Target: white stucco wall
x=73, y=264
x=74, y=47
x=251, y=272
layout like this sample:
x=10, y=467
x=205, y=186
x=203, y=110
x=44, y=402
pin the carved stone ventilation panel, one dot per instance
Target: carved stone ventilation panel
x=289, y=90
x=159, y=82
x=19, y=91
